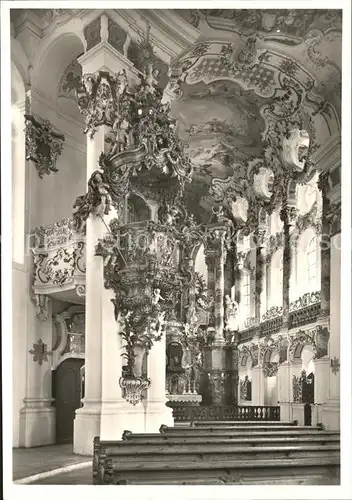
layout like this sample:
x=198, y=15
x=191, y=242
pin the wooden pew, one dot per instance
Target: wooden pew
x=196, y=456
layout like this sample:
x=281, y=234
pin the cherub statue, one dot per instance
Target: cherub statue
x=171, y=215
x=89, y=81
x=80, y=213
x=156, y=296
x=98, y=187
x=150, y=78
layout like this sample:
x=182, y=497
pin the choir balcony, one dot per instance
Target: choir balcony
x=59, y=262
x=303, y=311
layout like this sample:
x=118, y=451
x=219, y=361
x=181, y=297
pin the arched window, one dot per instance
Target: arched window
x=312, y=262
x=245, y=306
x=276, y=272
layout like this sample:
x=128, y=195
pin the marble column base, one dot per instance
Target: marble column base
x=298, y=412
x=108, y=420
x=158, y=414
x=120, y=416
x=330, y=415
x=86, y=427
x=37, y=426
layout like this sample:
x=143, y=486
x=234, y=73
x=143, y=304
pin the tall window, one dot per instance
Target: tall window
x=246, y=297
x=277, y=270
x=312, y=262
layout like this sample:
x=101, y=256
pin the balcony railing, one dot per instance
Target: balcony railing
x=193, y=413
x=302, y=311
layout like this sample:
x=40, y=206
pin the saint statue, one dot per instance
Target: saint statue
x=231, y=314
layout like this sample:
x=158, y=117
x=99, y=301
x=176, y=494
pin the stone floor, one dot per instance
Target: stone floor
x=32, y=461
x=82, y=477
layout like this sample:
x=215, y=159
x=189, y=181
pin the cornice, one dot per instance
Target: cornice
x=79, y=126
x=167, y=41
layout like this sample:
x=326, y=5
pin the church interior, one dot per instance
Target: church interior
x=176, y=242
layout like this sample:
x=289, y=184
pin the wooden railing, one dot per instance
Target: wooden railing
x=191, y=413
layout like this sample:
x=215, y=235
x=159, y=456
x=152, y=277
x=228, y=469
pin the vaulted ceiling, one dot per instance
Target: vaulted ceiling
x=253, y=76
x=241, y=80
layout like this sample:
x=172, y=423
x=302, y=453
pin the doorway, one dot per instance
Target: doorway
x=67, y=394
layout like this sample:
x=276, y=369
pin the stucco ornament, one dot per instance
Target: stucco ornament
x=293, y=147
x=43, y=144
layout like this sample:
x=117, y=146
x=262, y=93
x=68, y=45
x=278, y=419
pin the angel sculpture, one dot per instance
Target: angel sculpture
x=121, y=141
x=81, y=211
x=231, y=314
x=156, y=296
x=121, y=83
x=89, y=81
x=171, y=215
x=98, y=187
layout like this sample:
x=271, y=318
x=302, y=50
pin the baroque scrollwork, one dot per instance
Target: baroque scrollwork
x=58, y=255
x=143, y=141
x=273, y=312
x=270, y=369
x=43, y=144
x=299, y=340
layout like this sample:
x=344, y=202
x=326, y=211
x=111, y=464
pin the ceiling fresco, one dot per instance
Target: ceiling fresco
x=244, y=100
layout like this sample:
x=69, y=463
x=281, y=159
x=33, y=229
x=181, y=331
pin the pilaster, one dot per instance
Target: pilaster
x=37, y=416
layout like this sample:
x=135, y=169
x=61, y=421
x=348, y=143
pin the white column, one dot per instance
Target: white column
x=331, y=411
x=157, y=413
x=321, y=388
x=87, y=420
x=284, y=382
x=37, y=417
x=257, y=386
x=104, y=412
x=117, y=415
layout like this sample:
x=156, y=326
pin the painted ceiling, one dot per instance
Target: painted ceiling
x=253, y=77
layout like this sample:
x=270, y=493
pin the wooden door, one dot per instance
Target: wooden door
x=67, y=394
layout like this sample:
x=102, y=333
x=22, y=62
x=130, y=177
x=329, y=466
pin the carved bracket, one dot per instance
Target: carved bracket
x=43, y=144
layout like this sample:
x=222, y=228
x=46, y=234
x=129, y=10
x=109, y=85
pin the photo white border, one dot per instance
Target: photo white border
x=12, y=491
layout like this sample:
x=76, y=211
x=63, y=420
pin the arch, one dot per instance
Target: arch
x=299, y=341
x=59, y=354
x=137, y=209
x=245, y=358
x=53, y=59
x=307, y=357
